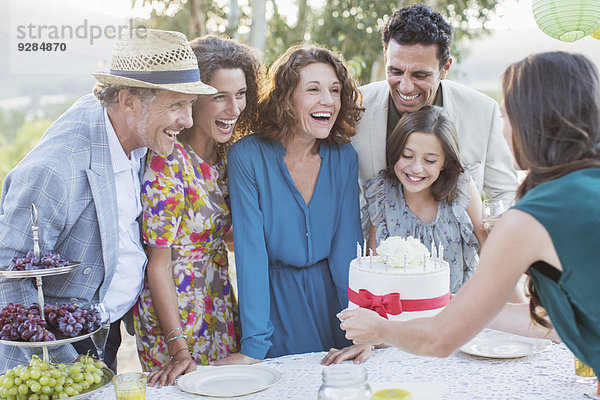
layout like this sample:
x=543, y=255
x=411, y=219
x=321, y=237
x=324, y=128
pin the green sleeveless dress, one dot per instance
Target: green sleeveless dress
x=569, y=209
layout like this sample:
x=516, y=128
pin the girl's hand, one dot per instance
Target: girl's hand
x=236, y=358
x=180, y=364
x=362, y=326
x=356, y=352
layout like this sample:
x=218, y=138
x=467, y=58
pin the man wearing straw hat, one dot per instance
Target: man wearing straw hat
x=84, y=179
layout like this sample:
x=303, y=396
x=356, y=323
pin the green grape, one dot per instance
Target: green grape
x=70, y=390
x=89, y=377
x=62, y=395
x=35, y=373
x=8, y=382
x=60, y=380
x=75, y=368
x=33, y=396
x=44, y=397
x=77, y=377
x=23, y=388
x=35, y=387
x=97, y=378
x=55, y=373
x=3, y=391
x=18, y=381
x=24, y=375
x=44, y=380
x=47, y=389
x=69, y=380
x=13, y=391
x=58, y=388
x=85, y=384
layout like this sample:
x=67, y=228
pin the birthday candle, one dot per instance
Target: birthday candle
x=365, y=248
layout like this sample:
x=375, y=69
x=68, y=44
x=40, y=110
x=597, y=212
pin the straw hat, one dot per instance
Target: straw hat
x=156, y=59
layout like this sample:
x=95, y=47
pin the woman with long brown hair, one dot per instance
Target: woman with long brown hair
x=294, y=199
x=552, y=122
x=187, y=313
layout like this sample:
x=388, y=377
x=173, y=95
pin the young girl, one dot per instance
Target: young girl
x=424, y=192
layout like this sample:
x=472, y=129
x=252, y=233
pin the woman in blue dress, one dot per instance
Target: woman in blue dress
x=552, y=122
x=295, y=207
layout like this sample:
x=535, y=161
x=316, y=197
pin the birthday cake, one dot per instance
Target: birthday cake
x=404, y=281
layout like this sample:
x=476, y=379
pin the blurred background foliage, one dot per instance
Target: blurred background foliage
x=350, y=27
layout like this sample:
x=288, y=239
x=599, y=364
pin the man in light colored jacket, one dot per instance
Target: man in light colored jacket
x=417, y=43
x=84, y=179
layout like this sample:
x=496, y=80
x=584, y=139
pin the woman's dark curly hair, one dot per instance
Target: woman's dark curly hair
x=552, y=101
x=433, y=120
x=218, y=52
x=275, y=107
x=419, y=24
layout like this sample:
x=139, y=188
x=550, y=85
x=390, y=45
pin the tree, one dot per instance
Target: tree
x=353, y=27
x=27, y=137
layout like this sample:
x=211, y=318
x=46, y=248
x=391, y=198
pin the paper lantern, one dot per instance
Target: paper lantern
x=595, y=34
x=567, y=20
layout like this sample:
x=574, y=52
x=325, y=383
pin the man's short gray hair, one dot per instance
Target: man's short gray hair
x=108, y=95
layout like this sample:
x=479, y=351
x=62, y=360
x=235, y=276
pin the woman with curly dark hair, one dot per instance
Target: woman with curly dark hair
x=294, y=198
x=187, y=312
x=552, y=121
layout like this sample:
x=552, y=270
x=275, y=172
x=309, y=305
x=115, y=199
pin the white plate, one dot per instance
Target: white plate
x=228, y=380
x=504, y=345
x=418, y=390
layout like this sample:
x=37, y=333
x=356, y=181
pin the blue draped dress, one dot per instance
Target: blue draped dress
x=291, y=258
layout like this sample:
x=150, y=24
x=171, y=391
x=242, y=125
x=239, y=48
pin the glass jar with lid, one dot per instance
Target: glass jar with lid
x=344, y=382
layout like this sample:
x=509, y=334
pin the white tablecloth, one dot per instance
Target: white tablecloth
x=546, y=375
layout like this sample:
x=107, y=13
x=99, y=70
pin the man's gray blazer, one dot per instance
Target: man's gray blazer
x=69, y=177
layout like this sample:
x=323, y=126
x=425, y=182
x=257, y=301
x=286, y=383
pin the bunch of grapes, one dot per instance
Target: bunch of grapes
x=22, y=323
x=31, y=263
x=44, y=381
x=71, y=319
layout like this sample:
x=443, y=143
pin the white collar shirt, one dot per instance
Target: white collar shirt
x=128, y=278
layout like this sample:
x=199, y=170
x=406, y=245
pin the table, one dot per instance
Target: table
x=546, y=375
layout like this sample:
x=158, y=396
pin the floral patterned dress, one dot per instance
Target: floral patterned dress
x=186, y=208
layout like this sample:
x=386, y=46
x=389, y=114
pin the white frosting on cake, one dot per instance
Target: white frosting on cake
x=422, y=278
x=398, y=252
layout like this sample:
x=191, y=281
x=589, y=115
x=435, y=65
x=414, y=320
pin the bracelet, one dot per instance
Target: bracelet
x=178, y=351
x=175, y=338
x=170, y=333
